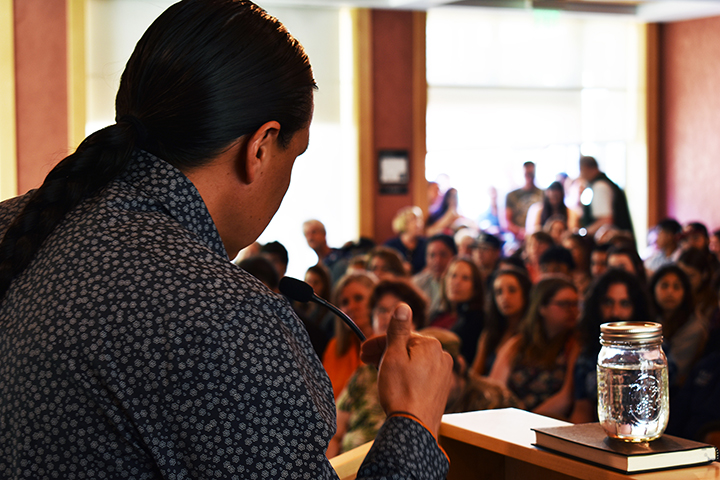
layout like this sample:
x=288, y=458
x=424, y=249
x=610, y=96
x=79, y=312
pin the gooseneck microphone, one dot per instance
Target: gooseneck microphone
x=300, y=291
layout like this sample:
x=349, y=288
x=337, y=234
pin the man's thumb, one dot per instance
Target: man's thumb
x=400, y=327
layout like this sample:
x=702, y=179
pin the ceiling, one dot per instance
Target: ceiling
x=643, y=10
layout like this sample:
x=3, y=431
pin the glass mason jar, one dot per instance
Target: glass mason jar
x=632, y=380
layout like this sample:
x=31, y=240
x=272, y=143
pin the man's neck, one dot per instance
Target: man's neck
x=323, y=251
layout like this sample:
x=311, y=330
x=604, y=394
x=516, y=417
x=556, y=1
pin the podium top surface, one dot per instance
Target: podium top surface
x=509, y=432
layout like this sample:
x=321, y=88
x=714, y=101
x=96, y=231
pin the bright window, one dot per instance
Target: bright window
x=508, y=86
x=324, y=183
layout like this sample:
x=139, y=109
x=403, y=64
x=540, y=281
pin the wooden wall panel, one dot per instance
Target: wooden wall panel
x=399, y=96
x=690, y=119
x=41, y=88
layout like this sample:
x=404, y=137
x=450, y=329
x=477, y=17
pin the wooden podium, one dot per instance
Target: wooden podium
x=497, y=444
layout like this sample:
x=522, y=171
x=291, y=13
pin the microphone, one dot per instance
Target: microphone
x=300, y=291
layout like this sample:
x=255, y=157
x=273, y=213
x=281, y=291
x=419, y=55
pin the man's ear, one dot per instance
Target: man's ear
x=258, y=150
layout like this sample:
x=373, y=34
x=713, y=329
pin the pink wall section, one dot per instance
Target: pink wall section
x=690, y=120
x=392, y=104
x=41, y=88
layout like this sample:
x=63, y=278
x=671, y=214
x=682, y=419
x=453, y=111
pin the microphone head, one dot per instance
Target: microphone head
x=296, y=289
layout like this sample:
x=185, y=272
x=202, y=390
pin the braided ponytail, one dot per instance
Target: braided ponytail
x=98, y=159
x=204, y=74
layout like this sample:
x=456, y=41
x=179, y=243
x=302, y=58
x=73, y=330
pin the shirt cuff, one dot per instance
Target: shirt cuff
x=404, y=448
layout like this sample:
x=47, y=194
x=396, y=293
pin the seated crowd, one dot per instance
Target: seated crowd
x=522, y=324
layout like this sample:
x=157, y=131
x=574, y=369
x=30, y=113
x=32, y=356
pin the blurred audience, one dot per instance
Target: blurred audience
x=469, y=392
x=535, y=246
x=626, y=258
x=440, y=252
x=519, y=201
x=537, y=363
x=615, y=296
x=487, y=255
x=278, y=256
x=598, y=260
x=695, y=264
x=557, y=260
x=684, y=332
x=342, y=355
x=318, y=320
x=667, y=242
x=262, y=268
x=386, y=264
x=461, y=308
x=508, y=302
x=359, y=413
x=444, y=219
x=316, y=238
x=580, y=249
x=534, y=348
x=553, y=209
x=410, y=241
x=604, y=203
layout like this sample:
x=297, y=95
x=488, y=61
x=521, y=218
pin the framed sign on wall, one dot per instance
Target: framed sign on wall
x=393, y=172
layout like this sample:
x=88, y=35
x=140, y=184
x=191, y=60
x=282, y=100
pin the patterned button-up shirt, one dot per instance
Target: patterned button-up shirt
x=132, y=348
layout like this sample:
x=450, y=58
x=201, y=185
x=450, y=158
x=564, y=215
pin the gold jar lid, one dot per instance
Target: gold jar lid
x=640, y=333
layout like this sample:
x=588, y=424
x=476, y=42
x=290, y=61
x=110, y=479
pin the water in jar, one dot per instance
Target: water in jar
x=633, y=403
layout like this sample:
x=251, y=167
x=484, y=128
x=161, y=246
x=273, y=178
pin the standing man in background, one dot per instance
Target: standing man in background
x=316, y=238
x=518, y=202
x=604, y=203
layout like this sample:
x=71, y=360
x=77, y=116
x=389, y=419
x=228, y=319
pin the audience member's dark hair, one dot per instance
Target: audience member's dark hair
x=449, y=197
x=543, y=237
x=322, y=271
x=361, y=247
x=698, y=260
x=697, y=227
x=535, y=347
x=446, y=239
x=716, y=283
x=391, y=257
x=632, y=254
x=516, y=262
x=278, y=250
x=588, y=161
x=548, y=209
x=557, y=254
x=405, y=292
x=495, y=322
x=670, y=225
x=602, y=247
x=202, y=75
x=684, y=310
x=591, y=318
x=262, y=269
x=585, y=244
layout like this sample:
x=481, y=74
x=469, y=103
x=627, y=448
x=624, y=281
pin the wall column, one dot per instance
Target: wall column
x=41, y=88
x=394, y=118
x=8, y=165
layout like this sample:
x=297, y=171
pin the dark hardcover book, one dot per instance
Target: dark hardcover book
x=590, y=443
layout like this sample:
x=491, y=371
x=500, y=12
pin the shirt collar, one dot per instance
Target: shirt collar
x=176, y=195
